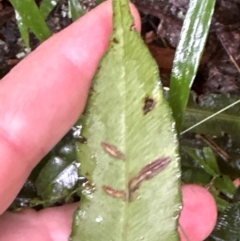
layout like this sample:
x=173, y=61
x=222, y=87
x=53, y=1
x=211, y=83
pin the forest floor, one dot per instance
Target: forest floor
x=161, y=25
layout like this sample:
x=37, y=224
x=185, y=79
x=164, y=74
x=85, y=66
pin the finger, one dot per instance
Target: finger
x=199, y=214
x=52, y=224
x=197, y=219
x=43, y=96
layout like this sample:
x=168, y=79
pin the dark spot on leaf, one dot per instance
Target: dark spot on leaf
x=149, y=104
x=113, y=151
x=115, y=41
x=133, y=27
x=87, y=174
x=146, y=173
x=114, y=193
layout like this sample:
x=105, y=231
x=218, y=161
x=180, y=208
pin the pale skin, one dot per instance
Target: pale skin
x=41, y=98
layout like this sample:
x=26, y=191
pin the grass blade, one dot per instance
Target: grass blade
x=47, y=6
x=188, y=54
x=23, y=29
x=32, y=18
x=213, y=115
x=76, y=9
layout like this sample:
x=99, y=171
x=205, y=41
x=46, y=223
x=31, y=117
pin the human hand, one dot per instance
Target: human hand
x=43, y=96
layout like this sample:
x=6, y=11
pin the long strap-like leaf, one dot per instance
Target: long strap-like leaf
x=188, y=55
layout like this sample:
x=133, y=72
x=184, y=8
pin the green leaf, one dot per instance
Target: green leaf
x=225, y=122
x=221, y=203
x=192, y=170
x=225, y=185
x=131, y=156
x=57, y=180
x=76, y=9
x=32, y=18
x=47, y=6
x=209, y=165
x=211, y=159
x=188, y=54
x=99, y=1
x=23, y=29
x=195, y=175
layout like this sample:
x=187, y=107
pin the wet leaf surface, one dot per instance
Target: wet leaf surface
x=57, y=180
x=130, y=157
x=228, y=224
x=57, y=176
x=188, y=54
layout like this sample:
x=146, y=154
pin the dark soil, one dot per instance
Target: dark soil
x=161, y=25
x=12, y=47
x=219, y=68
